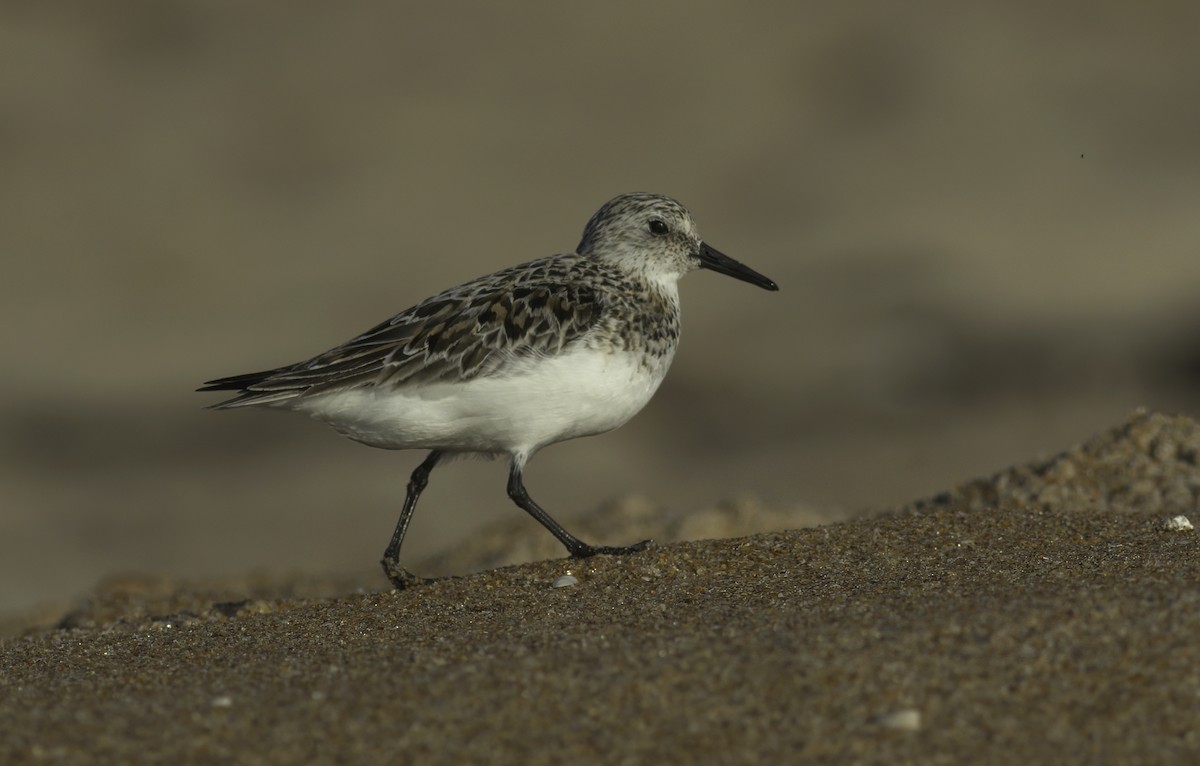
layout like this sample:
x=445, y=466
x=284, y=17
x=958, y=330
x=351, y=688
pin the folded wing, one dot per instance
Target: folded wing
x=458, y=335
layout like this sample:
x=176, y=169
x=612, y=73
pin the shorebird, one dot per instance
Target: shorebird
x=553, y=349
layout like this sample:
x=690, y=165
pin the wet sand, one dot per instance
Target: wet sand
x=1047, y=613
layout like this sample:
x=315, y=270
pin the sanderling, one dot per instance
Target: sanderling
x=553, y=349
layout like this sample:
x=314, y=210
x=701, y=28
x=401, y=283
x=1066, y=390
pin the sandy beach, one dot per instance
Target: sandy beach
x=1045, y=614
x=982, y=220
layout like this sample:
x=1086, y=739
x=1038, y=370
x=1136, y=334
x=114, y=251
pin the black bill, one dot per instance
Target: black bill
x=711, y=258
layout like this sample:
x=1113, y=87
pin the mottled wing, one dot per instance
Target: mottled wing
x=455, y=337
x=474, y=330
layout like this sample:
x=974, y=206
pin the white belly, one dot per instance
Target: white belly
x=547, y=400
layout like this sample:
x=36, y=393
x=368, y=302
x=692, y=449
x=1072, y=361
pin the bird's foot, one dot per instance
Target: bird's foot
x=584, y=551
x=400, y=577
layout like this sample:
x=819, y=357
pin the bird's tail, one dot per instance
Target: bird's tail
x=248, y=396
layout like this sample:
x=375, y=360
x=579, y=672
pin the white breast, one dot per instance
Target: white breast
x=543, y=401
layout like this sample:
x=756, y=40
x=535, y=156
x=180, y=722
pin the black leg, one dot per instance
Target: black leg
x=576, y=547
x=400, y=576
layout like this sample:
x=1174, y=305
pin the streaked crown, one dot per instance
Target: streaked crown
x=651, y=233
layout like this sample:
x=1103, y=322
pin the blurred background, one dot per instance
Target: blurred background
x=983, y=219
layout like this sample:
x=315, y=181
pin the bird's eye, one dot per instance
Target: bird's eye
x=658, y=228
